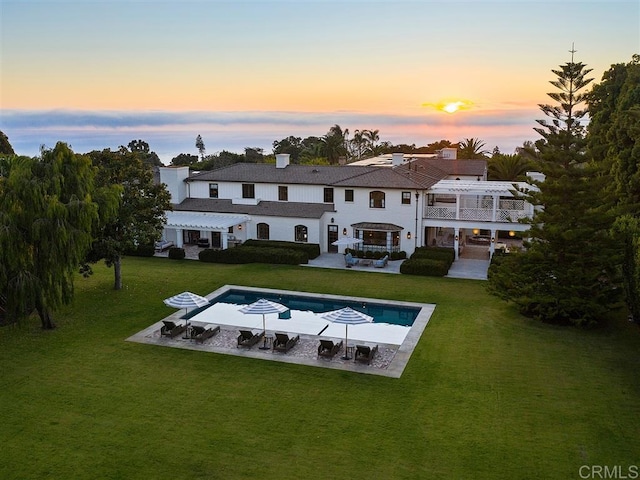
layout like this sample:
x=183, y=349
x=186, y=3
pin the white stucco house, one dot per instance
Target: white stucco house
x=393, y=203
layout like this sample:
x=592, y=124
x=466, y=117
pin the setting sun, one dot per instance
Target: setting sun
x=452, y=107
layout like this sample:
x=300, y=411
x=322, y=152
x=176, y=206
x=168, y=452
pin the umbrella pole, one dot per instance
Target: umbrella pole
x=346, y=343
x=264, y=334
x=186, y=324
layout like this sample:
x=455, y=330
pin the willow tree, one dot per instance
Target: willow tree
x=566, y=273
x=46, y=218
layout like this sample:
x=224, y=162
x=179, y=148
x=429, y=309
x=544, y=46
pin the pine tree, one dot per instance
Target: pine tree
x=565, y=275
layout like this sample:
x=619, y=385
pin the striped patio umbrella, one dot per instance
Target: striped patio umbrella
x=186, y=300
x=348, y=316
x=263, y=306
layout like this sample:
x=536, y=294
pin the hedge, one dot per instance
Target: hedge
x=311, y=249
x=176, y=253
x=250, y=254
x=142, y=251
x=424, y=266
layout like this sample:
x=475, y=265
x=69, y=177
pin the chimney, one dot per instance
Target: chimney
x=282, y=160
x=449, y=153
x=397, y=159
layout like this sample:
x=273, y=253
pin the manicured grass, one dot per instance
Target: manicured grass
x=486, y=394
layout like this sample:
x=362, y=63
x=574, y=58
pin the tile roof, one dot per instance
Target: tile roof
x=265, y=208
x=419, y=173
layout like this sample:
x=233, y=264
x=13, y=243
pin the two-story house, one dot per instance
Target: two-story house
x=399, y=203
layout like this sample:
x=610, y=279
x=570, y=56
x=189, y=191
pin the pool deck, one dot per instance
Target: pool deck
x=390, y=361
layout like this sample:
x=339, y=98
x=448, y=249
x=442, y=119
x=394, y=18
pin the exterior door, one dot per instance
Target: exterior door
x=216, y=240
x=332, y=236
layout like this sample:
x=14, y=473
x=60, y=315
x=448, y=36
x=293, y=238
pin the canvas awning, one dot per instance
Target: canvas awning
x=204, y=221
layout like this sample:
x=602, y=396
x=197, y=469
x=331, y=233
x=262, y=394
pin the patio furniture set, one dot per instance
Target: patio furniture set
x=198, y=333
x=351, y=261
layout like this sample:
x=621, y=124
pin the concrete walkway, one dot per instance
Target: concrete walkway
x=473, y=269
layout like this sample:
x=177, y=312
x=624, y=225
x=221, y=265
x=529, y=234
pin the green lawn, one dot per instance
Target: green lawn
x=486, y=394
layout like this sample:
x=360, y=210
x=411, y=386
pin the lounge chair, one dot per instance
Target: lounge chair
x=170, y=329
x=328, y=349
x=349, y=260
x=248, y=339
x=381, y=263
x=283, y=343
x=365, y=354
x=200, y=334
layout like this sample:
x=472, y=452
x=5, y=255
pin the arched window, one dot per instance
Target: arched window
x=263, y=231
x=301, y=233
x=376, y=199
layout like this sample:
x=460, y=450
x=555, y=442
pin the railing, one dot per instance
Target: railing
x=475, y=214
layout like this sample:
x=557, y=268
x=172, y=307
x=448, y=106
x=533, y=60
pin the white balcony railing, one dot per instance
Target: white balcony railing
x=475, y=214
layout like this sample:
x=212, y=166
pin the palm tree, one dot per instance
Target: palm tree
x=357, y=143
x=334, y=144
x=471, y=148
x=372, y=137
x=511, y=168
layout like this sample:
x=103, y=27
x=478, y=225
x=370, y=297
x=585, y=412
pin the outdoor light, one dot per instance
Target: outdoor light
x=344, y=231
x=476, y=231
x=456, y=238
x=239, y=227
x=493, y=239
x=408, y=235
x=332, y=221
x=512, y=233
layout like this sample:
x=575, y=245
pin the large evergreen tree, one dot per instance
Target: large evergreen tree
x=614, y=142
x=139, y=217
x=46, y=219
x=565, y=275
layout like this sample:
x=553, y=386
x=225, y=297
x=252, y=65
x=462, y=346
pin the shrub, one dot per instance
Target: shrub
x=446, y=255
x=398, y=255
x=311, y=249
x=424, y=266
x=251, y=254
x=176, y=253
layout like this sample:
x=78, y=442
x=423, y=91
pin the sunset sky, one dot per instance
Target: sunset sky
x=97, y=74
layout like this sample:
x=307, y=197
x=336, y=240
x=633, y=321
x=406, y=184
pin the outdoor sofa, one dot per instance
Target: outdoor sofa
x=163, y=245
x=349, y=260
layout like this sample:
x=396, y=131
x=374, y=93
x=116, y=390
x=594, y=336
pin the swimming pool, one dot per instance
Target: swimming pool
x=381, y=312
x=392, y=320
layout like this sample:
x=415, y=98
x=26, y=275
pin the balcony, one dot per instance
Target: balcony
x=475, y=214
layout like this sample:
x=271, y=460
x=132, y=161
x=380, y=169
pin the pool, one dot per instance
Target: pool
x=392, y=320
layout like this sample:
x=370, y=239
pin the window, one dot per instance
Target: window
x=263, y=231
x=406, y=198
x=213, y=190
x=248, y=190
x=301, y=233
x=376, y=199
x=348, y=195
x=283, y=193
x=328, y=195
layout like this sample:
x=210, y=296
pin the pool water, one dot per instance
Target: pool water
x=381, y=313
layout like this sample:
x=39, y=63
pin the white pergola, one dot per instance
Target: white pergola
x=203, y=221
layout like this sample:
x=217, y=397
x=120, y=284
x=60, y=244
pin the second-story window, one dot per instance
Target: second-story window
x=328, y=195
x=213, y=190
x=283, y=193
x=406, y=198
x=376, y=199
x=348, y=195
x=248, y=190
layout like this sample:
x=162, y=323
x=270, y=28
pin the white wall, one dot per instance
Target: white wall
x=174, y=179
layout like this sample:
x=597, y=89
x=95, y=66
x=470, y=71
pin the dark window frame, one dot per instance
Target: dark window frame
x=377, y=199
x=248, y=190
x=328, y=195
x=348, y=195
x=283, y=193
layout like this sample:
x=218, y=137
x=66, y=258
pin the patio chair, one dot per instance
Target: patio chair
x=248, y=339
x=365, y=354
x=170, y=329
x=283, y=343
x=328, y=349
x=200, y=334
x=349, y=260
x=381, y=263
